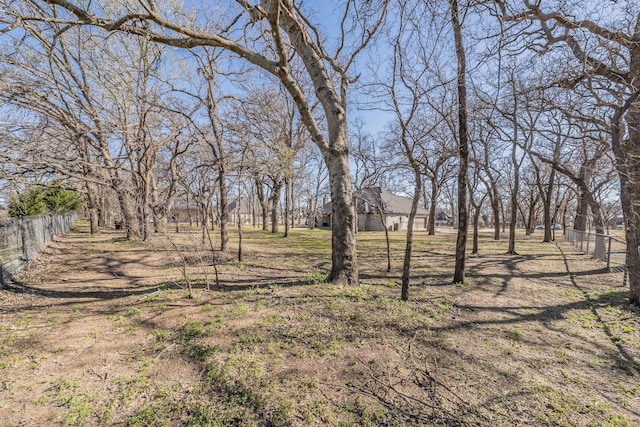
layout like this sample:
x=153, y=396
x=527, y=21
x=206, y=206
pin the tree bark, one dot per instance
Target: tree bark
x=432, y=208
x=287, y=206
x=582, y=210
x=262, y=200
x=463, y=150
x=224, y=210
x=628, y=171
x=274, y=198
x=344, y=268
x=476, y=220
x=406, y=267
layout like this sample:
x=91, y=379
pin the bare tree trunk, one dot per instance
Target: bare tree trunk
x=92, y=207
x=516, y=182
x=262, y=200
x=547, y=198
x=224, y=213
x=463, y=151
x=239, y=237
x=131, y=219
x=287, y=206
x=476, y=221
x=293, y=205
x=406, y=266
x=582, y=210
x=513, y=215
x=274, y=198
x=628, y=171
x=432, y=208
x=386, y=237
x=344, y=268
x=495, y=208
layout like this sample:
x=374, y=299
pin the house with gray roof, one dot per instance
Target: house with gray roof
x=378, y=208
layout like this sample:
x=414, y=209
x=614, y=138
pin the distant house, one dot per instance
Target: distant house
x=377, y=208
x=242, y=212
x=181, y=212
x=443, y=218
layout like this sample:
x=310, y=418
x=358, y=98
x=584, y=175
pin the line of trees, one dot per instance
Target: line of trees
x=506, y=112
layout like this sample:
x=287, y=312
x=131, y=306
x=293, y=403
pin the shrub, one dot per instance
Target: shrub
x=39, y=200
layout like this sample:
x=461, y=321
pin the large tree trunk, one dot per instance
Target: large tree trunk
x=344, y=268
x=582, y=210
x=632, y=215
x=131, y=218
x=463, y=150
x=629, y=174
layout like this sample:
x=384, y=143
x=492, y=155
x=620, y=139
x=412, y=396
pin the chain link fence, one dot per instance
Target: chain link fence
x=22, y=240
x=609, y=249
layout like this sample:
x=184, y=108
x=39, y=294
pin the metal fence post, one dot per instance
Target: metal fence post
x=609, y=255
x=588, y=241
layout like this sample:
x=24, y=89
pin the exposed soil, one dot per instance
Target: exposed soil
x=102, y=331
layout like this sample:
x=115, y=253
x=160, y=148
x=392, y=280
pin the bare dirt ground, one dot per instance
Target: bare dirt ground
x=102, y=331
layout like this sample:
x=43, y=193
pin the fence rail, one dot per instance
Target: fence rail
x=22, y=240
x=609, y=249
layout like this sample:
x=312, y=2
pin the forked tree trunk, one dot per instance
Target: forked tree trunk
x=262, y=200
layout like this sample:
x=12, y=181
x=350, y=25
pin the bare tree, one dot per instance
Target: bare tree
x=406, y=89
x=272, y=34
x=276, y=134
x=476, y=200
x=463, y=144
x=605, y=56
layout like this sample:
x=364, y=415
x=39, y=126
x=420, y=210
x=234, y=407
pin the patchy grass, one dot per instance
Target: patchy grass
x=110, y=337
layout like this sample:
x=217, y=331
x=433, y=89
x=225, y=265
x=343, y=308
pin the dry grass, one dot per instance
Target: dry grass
x=101, y=331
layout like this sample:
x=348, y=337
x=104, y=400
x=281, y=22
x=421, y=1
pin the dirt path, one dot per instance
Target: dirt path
x=62, y=323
